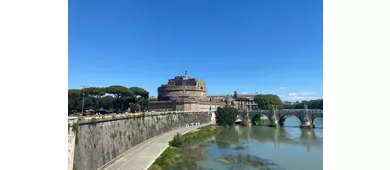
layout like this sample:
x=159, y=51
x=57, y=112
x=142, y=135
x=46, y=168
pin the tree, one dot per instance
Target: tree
x=119, y=93
x=143, y=104
x=95, y=93
x=126, y=101
x=315, y=104
x=288, y=106
x=140, y=96
x=74, y=99
x=134, y=108
x=88, y=103
x=312, y=104
x=226, y=116
x=139, y=92
x=106, y=102
x=266, y=101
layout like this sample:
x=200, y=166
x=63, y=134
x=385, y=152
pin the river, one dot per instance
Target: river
x=258, y=147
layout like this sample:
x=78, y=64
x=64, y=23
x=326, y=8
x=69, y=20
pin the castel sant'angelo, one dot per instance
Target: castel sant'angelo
x=190, y=94
x=182, y=87
x=185, y=94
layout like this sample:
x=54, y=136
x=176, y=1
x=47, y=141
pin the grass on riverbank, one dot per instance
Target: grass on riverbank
x=195, y=135
x=170, y=157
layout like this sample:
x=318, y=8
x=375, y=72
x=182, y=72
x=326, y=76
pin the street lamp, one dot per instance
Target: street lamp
x=82, y=105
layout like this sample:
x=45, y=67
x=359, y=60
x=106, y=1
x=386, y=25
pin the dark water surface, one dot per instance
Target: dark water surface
x=258, y=147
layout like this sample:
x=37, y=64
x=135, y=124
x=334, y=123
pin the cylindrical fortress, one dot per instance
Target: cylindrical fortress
x=182, y=87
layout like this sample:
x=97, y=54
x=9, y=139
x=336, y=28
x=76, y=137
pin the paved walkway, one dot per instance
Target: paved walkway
x=144, y=154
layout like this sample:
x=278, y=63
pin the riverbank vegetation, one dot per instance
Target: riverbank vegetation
x=171, y=157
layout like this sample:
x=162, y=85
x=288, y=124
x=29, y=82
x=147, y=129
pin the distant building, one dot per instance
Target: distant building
x=241, y=105
x=152, y=98
x=287, y=103
x=231, y=96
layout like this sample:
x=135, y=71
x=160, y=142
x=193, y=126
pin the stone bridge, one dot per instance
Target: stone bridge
x=277, y=117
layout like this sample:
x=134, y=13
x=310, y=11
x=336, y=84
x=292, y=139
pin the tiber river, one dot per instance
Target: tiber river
x=258, y=147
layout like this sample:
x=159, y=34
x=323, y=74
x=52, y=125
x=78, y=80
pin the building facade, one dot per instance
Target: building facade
x=182, y=87
x=248, y=104
x=183, y=93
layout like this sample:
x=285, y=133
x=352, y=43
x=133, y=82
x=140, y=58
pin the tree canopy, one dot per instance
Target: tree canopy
x=74, y=99
x=122, y=96
x=266, y=101
x=226, y=116
x=312, y=104
x=106, y=102
x=139, y=92
x=140, y=97
x=119, y=91
x=113, y=97
x=95, y=93
x=134, y=108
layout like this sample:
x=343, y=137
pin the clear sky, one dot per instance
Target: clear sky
x=268, y=46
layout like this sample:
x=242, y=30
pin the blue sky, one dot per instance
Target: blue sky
x=272, y=47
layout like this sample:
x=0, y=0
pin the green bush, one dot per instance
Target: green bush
x=177, y=140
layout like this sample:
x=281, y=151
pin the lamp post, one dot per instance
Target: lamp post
x=82, y=105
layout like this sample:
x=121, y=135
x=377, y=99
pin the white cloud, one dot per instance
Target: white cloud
x=282, y=88
x=244, y=93
x=299, y=96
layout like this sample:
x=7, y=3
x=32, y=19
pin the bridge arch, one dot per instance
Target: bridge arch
x=239, y=119
x=315, y=117
x=259, y=116
x=283, y=118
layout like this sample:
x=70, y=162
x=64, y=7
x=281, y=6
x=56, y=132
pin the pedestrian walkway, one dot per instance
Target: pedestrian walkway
x=143, y=155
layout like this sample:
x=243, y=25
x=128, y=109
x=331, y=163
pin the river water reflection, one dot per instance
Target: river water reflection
x=258, y=147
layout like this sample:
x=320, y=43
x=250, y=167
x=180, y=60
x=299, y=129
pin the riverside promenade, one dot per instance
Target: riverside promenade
x=142, y=156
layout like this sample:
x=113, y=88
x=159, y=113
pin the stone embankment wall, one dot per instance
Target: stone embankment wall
x=98, y=142
x=71, y=144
